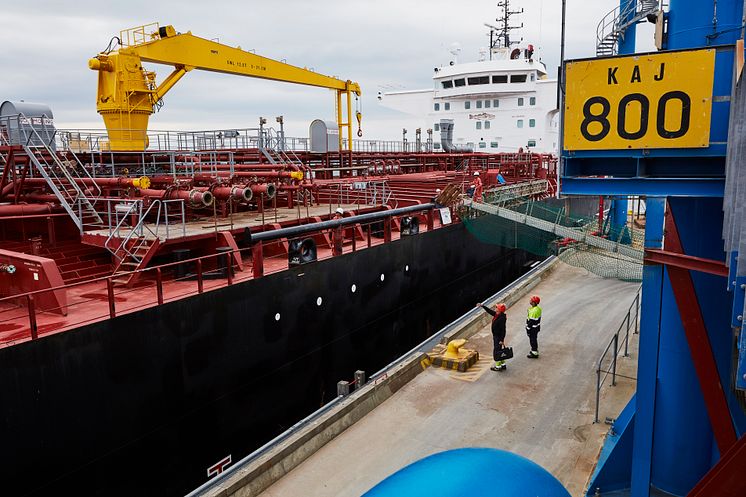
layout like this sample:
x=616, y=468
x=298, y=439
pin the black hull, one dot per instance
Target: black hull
x=143, y=404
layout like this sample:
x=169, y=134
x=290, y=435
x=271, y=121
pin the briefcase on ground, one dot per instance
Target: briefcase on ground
x=504, y=353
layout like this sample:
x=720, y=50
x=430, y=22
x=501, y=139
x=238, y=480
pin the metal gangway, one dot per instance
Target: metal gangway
x=577, y=234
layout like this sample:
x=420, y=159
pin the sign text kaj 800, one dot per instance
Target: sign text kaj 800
x=643, y=101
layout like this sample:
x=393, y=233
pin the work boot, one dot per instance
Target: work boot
x=533, y=354
x=499, y=366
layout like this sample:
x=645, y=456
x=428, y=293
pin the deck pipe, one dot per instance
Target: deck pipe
x=24, y=209
x=304, y=229
x=237, y=193
x=196, y=198
x=269, y=190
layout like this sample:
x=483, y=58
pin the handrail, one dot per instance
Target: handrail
x=263, y=236
x=616, y=348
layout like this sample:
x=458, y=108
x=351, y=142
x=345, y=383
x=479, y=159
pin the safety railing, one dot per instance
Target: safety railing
x=179, y=279
x=151, y=222
x=607, y=364
x=138, y=35
x=37, y=136
x=613, y=25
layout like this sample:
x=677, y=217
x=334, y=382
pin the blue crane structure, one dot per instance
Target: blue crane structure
x=682, y=433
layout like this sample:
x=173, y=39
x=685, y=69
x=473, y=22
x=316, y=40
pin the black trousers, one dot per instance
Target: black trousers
x=532, y=338
x=496, y=347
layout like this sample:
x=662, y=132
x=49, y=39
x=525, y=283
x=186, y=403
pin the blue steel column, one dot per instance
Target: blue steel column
x=673, y=438
x=647, y=364
x=698, y=23
x=626, y=46
x=627, y=43
x=682, y=450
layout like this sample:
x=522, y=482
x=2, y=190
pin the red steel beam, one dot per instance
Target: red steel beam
x=699, y=343
x=726, y=478
x=683, y=261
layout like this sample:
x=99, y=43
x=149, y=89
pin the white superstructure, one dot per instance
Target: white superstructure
x=503, y=103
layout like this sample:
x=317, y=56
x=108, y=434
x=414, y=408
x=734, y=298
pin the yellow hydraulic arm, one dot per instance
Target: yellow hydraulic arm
x=128, y=94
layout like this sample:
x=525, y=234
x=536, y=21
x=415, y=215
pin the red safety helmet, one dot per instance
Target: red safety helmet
x=535, y=299
x=500, y=307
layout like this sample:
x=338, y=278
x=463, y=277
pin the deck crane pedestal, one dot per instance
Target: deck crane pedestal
x=128, y=93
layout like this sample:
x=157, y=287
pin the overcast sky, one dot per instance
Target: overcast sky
x=382, y=44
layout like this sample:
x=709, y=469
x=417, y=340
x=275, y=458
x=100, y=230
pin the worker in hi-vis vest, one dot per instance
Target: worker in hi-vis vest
x=533, y=325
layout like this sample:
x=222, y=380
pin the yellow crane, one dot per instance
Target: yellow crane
x=128, y=94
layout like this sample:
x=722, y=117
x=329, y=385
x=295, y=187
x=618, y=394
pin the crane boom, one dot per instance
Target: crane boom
x=128, y=94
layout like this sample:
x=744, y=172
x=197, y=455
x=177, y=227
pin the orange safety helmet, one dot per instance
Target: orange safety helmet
x=500, y=307
x=535, y=299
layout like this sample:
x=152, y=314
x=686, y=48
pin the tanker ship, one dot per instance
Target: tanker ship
x=173, y=300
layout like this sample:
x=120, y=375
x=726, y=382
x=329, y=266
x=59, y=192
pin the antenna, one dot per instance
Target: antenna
x=500, y=34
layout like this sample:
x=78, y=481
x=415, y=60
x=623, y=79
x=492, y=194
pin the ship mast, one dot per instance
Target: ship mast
x=500, y=34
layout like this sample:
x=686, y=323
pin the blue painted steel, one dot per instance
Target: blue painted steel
x=618, y=220
x=684, y=187
x=683, y=436
x=647, y=364
x=626, y=43
x=615, y=461
x=470, y=472
x=741, y=370
x=693, y=23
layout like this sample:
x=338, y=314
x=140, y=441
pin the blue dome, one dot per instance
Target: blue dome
x=470, y=473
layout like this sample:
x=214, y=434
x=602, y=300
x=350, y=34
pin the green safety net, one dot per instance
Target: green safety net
x=493, y=229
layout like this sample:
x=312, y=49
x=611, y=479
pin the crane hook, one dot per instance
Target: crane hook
x=359, y=117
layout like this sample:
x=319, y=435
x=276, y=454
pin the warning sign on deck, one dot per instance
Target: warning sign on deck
x=659, y=100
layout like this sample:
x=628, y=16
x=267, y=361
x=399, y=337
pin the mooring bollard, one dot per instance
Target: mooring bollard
x=343, y=388
x=359, y=379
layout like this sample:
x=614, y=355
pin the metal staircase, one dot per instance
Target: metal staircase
x=272, y=146
x=614, y=25
x=65, y=178
x=134, y=246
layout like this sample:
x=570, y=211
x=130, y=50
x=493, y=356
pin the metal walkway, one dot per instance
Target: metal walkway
x=557, y=229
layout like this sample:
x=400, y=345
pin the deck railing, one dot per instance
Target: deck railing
x=611, y=353
x=191, y=276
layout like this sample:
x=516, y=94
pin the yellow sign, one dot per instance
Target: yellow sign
x=642, y=101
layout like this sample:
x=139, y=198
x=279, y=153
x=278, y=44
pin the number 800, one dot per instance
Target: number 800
x=642, y=130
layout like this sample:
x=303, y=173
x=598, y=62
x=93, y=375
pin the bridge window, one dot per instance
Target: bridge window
x=532, y=123
x=518, y=78
x=436, y=127
x=479, y=104
x=531, y=143
x=479, y=124
x=447, y=106
x=479, y=80
x=487, y=104
x=519, y=123
x=532, y=101
x=482, y=145
x=486, y=125
x=436, y=146
x=520, y=102
x=447, y=84
x=533, y=76
x=500, y=79
x=459, y=82
x=467, y=104
x=496, y=103
x=493, y=144
x=437, y=107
